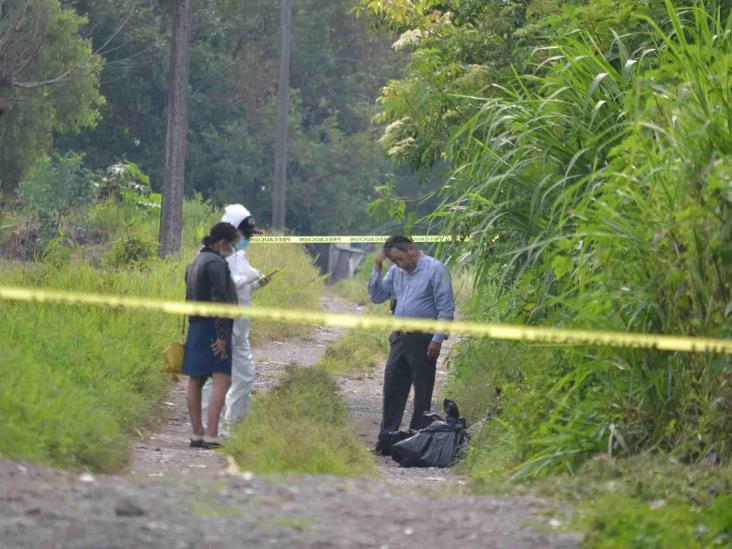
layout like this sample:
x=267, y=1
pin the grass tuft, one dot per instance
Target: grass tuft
x=300, y=427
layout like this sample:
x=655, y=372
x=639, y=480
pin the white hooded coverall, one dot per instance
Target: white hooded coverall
x=243, y=368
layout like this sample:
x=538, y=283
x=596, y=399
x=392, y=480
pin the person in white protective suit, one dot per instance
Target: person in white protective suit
x=246, y=279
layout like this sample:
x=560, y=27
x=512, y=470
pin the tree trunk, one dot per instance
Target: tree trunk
x=279, y=187
x=171, y=215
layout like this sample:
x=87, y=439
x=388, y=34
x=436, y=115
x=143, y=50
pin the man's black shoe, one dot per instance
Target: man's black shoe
x=387, y=439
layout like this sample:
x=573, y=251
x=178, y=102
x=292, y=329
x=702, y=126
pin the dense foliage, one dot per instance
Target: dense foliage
x=592, y=174
x=49, y=72
x=337, y=69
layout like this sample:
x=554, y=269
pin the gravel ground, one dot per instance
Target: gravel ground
x=173, y=496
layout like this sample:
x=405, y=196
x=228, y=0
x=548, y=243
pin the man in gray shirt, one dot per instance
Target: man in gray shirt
x=422, y=288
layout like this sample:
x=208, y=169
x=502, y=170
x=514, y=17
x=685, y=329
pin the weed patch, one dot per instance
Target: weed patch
x=649, y=501
x=642, y=501
x=620, y=521
x=300, y=427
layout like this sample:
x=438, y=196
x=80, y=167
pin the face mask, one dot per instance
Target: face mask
x=243, y=244
x=228, y=252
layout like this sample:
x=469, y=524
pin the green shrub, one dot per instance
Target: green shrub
x=300, y=427
x=112, y=220
x=130, y=251
x=56, y=186
x=59, y=250
x=127, y=184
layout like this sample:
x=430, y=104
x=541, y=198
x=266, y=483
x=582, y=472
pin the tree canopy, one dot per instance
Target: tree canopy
x=50, y=74
x=338, y=67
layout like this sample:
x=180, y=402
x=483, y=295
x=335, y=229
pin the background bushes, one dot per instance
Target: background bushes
x=80, y=381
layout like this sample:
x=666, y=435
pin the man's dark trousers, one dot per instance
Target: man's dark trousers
x=407, y=364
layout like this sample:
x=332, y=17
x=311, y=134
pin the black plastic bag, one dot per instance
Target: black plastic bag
x=440, y=444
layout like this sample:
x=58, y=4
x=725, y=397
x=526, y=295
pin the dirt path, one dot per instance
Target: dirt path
x=167, y=452
x=177, y=497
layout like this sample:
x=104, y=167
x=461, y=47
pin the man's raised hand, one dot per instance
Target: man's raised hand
x=379, y=260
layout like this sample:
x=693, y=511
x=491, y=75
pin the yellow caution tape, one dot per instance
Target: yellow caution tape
x=494, y=331
x=369, y=239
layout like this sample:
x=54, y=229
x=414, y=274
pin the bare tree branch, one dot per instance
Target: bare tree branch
x=18, y=51
x=40, y=83
x=114, y=35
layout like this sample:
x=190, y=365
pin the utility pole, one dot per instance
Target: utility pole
x=279, y=186
x=171, y=214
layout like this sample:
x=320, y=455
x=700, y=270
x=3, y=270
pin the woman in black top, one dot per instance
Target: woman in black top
x=208, y=345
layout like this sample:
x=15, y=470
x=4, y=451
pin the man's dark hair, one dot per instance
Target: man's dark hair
x=220, y=231
x=398, y=241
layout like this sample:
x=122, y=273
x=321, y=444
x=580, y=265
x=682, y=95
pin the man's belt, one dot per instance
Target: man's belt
x=402, y=333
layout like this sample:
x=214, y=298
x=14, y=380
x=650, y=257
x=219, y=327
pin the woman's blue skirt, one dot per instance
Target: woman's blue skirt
x=199, y=360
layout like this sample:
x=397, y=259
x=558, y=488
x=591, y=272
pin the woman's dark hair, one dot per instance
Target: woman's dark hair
x=220, y=231
x=398, y=241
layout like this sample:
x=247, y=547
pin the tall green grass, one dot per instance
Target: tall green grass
x=298, y=285
x=600, y=186
x=300, y=427
x=80, y=381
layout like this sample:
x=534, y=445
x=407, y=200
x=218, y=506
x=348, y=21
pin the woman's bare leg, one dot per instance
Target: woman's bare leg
x=221, y=383
x=193, y=399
